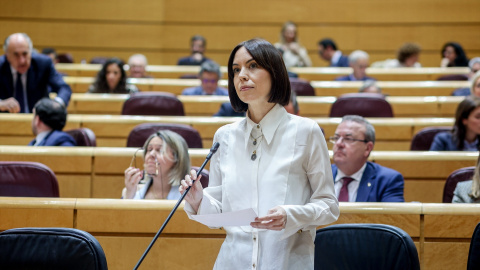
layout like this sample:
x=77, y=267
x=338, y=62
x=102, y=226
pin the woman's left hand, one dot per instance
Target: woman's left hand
x=276, y=219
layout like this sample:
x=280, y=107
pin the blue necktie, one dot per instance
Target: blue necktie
x=19, y=93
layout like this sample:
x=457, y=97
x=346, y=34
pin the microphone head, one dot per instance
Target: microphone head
x=214, y=147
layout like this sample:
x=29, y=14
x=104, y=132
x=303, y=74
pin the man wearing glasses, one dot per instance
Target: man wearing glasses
x=356, y=179
x=209, y=75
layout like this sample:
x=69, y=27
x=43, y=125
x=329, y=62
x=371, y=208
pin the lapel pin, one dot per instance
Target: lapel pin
x=369, y=184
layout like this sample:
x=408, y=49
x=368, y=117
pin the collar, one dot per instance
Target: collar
x=336, y=56
x=268, y=124
x=356, y=176
x=41, y=136
x=471, y=146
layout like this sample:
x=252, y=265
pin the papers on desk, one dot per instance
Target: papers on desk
x=236, y=218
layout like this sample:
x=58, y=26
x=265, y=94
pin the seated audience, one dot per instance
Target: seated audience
x=466, y=130
x=198, y=45
x=474, y=65
x=50, y=52
x=137, y=64
x=453, y=55
x=49, y=119
x=475, y=85
x=468, y=191
x=407, y=56
x=327, y=49
x=209, y=75
x=112, y=79
x=359, y=62
x=370, y=87
x=294, y=54
x=356, y=179
x=166, y=162
x=19, y=92
x=226, y=108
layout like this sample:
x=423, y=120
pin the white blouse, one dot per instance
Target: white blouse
x=292, y=170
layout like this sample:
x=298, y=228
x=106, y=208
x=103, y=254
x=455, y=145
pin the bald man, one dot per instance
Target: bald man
x=25, y=78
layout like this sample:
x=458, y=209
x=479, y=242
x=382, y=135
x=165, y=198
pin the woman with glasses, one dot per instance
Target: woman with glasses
x=272, y=161
x=465, y=134
x=112, y=79
x=166, y=161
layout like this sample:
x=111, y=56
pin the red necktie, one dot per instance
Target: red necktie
x=343, y=196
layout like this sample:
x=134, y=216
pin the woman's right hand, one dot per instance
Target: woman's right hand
x=132, y=178
x=444, y=62
x=195, y=195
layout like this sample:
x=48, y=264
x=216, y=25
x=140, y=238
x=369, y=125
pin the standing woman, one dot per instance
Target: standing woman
x=112, y=79
x=294, y=54
x=272, y=161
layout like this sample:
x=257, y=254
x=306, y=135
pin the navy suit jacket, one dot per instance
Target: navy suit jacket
x=342, y=62
x=443, y=141
x=56, y=138
x=348, y=78
x=198, y=91
x=462, y=92
x=378, y=184
x=41, y=78
x=227, y=110
x=189, y=61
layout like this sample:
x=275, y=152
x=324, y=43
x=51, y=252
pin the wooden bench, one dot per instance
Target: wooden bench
x=441, y=232
x=322, y=88
x=98, y=172
x=112, y=130
x=432, y=106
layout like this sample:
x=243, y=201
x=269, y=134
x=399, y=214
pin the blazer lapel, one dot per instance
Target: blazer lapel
x=366, y=184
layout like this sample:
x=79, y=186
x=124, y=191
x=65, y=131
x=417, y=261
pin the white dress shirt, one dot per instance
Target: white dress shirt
x=353, y=186
x=292, y=170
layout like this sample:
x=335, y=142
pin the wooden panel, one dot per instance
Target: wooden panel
x=74, y=186
x=445, y=256
x=426, y=191
x=450, y=226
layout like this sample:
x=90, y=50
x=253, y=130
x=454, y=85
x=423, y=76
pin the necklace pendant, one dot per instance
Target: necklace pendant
x=255, y=142
x=254, y=156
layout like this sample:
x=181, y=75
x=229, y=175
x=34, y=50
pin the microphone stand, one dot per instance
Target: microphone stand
x=209, y=156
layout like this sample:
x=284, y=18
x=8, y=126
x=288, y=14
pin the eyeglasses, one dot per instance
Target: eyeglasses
x=133, y=163
x=209, y=81
x=346, y=140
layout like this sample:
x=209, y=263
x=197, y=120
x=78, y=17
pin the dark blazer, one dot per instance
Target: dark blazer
x=227, y=110
x=342, y=62
x=41, y=76
x=378, y=184
x=461, y=92
x=443, y=141
x=189, y=61
x=348, y=78
x=198, y=91
x=56, y=138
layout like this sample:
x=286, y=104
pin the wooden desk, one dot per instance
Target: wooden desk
x=124, y=228
x=112, y=130
x=431, y=106
x=98, y=172
x=311, y=73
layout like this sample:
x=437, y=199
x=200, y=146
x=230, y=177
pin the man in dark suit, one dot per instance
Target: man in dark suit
x=358, y=61
x=329, y=52
x=197, y=45
x=356, y=179
x=25, y=78
x=49, y=118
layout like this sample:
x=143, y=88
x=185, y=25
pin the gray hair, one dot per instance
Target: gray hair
x=24, y=35
x=473, y=61
x=139, y=56
x=210, y=66
x=368, y=84
x=369, y=129
x=356, y=55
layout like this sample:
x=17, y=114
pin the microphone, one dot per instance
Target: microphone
x=213, y=150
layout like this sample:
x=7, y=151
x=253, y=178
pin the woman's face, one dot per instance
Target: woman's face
x=472, y=123
x=476, y=88
x=252, y=82
x=289, y=33
x=113, y=76
x=164, y=159
x=450, y=54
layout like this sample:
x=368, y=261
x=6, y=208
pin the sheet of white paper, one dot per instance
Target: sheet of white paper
x=237, y=218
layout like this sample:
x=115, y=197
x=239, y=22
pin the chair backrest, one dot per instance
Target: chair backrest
x=473, y=262
x=205, y=176
x=365, y=246
x=83, y=136
x=140, y=133
x=453, y=77
x=50, y=248
x=460, y=175
x=363, y=104
x=99, y=60
x=423, y=139
x=153, y=103
x=189, y=76
x=66, y=58
x=27, y=179
x=301, y=87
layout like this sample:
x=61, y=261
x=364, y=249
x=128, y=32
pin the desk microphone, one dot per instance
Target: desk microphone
x=209, y=156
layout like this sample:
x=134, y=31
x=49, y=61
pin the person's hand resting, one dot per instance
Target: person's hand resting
x=276, y=219
x=10, y=105
x=195, y=195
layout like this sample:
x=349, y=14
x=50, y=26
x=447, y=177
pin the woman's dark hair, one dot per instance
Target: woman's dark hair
x=101, y=85
x=464, y=110
x=461, y=60
x=269, y=58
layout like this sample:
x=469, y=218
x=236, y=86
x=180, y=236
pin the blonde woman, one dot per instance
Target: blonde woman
x=294, y=54
x=468, y=191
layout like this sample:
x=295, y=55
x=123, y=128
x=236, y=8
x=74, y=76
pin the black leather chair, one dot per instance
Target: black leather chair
x=423, y=139
x=140, y=133
x=364, y=246
x=83, y=136
x=27, y=179
x=66, y=58
x=363, y=104
x=153, y=103
x=50, y=249
x=460, y=175
x=301, y=87
x=474, y=252
x=453, y=77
